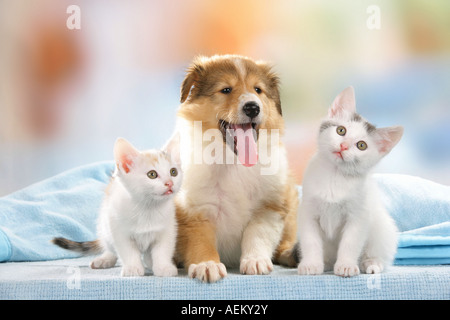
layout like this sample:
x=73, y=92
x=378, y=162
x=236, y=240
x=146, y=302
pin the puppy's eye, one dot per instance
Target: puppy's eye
x=173, y=172
x=361, y=145
x=341, y=130
x=152, y=174
x=258, y=90
x=226, y=90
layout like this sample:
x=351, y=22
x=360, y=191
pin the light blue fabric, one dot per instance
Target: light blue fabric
x=64, y=205
x=421, y=209
x=74, y=279
x=67, y=205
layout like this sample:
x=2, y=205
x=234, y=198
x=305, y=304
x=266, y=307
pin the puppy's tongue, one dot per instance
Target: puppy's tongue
x=245, y=144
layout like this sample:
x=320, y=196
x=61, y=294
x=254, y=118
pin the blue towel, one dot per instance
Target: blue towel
x=67, y=205
x=421, y=209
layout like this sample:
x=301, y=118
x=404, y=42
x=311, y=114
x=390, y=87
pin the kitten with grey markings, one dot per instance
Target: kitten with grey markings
x=137, y=216
x=343, y=225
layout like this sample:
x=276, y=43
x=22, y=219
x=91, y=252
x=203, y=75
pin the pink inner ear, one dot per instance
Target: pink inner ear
x=126, y=163
x=124, y=153
x=345, y=101
x=389, y=138
x=384, y=146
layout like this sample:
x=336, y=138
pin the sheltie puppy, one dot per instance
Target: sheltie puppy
x=238, y=203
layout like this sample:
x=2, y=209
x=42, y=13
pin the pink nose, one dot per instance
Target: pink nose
x=169, y=184
x=344, y=146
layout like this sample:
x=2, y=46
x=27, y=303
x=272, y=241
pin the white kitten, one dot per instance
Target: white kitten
x=137, y=215
x=342, y=221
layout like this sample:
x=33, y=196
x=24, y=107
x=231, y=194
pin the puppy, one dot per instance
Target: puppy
x=238, y=203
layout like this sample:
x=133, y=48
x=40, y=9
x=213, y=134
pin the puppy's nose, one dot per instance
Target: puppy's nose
x=251, y=109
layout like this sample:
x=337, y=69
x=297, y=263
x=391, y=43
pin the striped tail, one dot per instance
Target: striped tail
x=85, y=248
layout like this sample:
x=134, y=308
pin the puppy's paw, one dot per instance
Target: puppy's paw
x=167, y=270
x=208, y=271
x=132, y=271
x=259, y=265
x=307, y=268
x=346, y=269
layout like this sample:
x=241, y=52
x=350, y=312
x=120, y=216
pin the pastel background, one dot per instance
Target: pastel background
x=66, y=95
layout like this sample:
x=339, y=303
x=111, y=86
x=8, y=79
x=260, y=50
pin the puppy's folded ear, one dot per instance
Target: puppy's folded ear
x=193, y=75
x=273, y=82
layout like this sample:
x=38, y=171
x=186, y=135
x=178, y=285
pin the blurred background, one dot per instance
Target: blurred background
x=66, y=95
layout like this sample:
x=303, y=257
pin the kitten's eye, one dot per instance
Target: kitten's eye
x=152, y=174
x=361, y=145
x=341, y=131
x=173, y=172
x=226, y=90
x=258, y=90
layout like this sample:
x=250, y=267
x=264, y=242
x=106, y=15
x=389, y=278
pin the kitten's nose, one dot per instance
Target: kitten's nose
x=344, y=146
x=169, y=184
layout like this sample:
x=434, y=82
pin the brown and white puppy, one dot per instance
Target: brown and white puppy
x=238, y=203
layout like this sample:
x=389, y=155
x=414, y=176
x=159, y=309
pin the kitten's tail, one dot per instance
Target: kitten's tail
x=85, y=247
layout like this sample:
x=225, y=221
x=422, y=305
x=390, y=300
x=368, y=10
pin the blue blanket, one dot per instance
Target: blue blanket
x=67, y=205
x=421, y=209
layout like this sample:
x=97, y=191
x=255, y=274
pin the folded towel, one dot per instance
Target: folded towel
x=67, y=205
x=421, y=209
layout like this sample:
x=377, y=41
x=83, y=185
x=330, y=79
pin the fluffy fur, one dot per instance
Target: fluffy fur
x=230, y=211
x=137, y=215
x=342, y=222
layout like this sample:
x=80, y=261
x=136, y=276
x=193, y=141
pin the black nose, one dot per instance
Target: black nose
x=251, y=109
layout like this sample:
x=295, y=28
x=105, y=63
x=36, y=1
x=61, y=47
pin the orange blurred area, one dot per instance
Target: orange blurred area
x=66, y=95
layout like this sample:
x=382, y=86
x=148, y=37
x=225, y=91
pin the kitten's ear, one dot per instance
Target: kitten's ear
x=388, y=138
x=172, y=147
x=345, y=101
x=124, y=154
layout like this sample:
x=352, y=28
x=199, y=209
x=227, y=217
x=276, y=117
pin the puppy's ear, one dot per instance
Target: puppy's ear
x=273, y=84
x=193, y=74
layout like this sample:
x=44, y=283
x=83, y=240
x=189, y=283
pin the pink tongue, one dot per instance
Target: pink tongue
x=246, y=144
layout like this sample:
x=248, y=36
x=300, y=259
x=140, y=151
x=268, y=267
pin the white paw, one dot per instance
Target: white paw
x=346, y=269
x=372, y=266
x=168, y=270
x=132, y=271
x=254, y=266
x=102, y=263
x=208, y=271
x=306, y=268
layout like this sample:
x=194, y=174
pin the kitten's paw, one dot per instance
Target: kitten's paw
x=102, y=263
x=306, y=268
x=254, y=266
x=167, y=270
x=346, y=269
x=372, y=266
x=132, y=271
x=208, y=271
